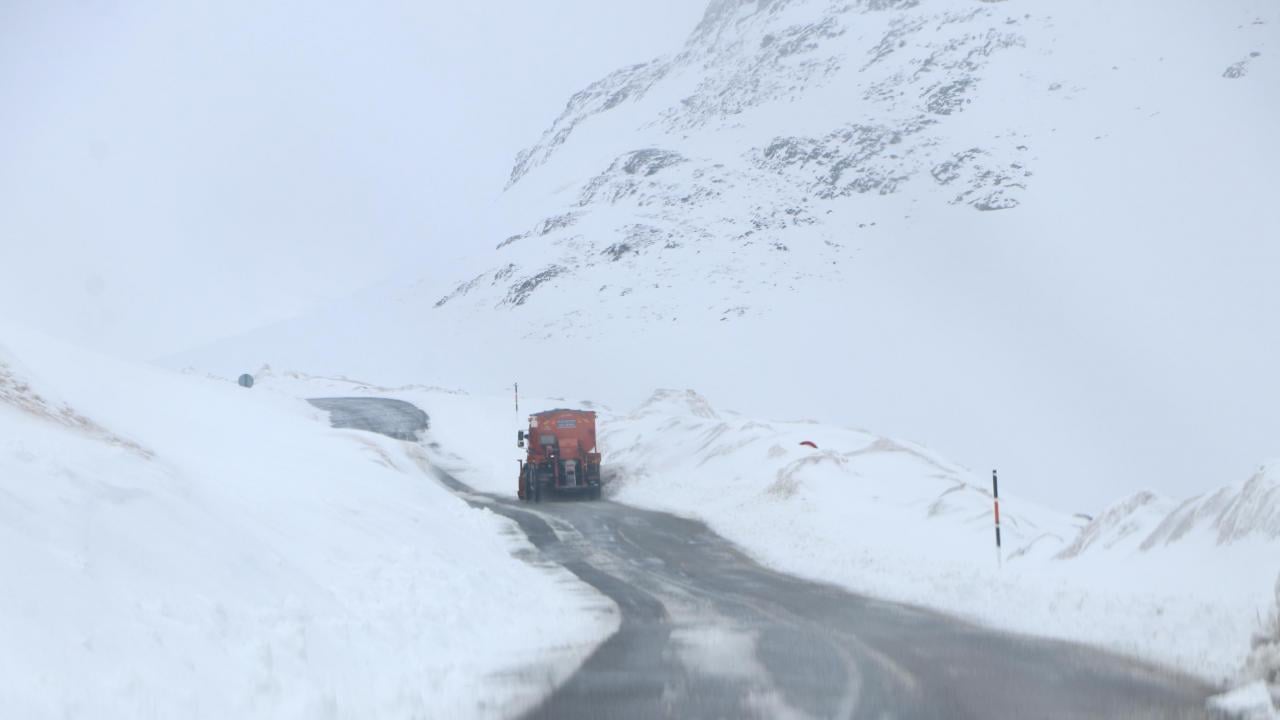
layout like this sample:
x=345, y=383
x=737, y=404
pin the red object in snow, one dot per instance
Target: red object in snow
x=809, y=443
x=562, y=454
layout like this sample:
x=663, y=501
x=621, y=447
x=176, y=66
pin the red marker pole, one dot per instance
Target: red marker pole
x=995, y=494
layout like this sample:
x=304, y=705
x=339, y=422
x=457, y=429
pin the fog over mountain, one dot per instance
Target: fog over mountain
x=781, y=284
x=1034, y=238
x=174, y=173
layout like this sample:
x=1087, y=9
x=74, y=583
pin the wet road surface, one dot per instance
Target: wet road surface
x=706, y=632
x=395, y=418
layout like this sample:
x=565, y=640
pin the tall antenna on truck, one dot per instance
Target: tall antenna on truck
x=517, y=400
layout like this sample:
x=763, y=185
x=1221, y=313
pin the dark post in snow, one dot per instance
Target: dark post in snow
x=995, y=494
x=520, y=434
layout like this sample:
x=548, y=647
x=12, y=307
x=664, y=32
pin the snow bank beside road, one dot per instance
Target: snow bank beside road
x=177, y=546
x=474, y=436
x=1264, y=662
x=1178, y=585
x=1251, y=702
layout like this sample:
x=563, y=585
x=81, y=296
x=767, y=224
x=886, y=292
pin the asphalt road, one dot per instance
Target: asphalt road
x=706, y=632
x=395, y=418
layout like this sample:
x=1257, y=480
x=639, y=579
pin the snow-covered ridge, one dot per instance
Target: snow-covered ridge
x=16, y=391
x=678, y=429
x=742, y=55
x=1130, y=517
x=1232, y=514
x=705, y=147
x=1146, y=521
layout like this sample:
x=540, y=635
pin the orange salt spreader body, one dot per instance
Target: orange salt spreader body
x=562, y=455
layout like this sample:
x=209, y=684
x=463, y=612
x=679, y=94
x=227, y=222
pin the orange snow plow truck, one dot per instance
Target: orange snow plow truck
x=562, y=456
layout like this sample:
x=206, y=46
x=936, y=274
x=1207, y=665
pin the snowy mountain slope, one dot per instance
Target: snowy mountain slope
x=742, y=142
x=778, y=114
x=1030, y=237
x=175, y=546
x=1238, y=513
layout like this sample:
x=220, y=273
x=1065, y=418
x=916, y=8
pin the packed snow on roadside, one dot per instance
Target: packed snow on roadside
x=472, y=435
x=176, y=546
x=1263, y=665
x=1250, y=702
x=1180, y=584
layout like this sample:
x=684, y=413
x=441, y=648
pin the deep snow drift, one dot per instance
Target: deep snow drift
x=179, y=547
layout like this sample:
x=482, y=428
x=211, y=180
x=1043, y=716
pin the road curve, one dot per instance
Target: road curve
x=396, y=418
x=706, y=632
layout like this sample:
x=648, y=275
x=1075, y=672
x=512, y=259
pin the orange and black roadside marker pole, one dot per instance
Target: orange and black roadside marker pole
x=995, y=494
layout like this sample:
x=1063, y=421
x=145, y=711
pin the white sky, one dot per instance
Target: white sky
x=174, y=173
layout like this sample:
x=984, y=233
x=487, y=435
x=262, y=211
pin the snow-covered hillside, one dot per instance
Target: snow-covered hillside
x=1034, y=237
x=790, y=132
x=179, y=547
x=1249, y=511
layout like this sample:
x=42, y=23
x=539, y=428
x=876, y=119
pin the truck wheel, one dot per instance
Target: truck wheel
x=537, y=489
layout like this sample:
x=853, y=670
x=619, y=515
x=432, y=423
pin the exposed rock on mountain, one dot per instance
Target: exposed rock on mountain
x=874, y=88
